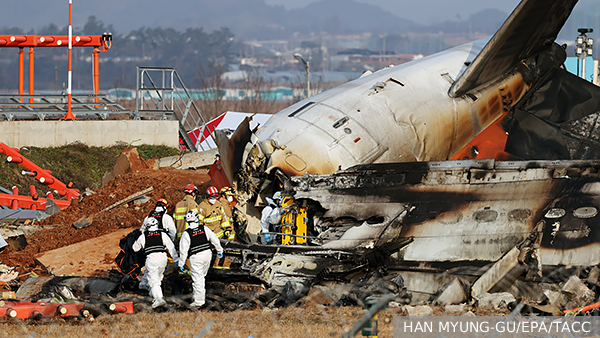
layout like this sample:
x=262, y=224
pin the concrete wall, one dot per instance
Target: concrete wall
x=93, y=133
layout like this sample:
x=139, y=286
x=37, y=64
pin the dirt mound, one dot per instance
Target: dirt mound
x=167, y=183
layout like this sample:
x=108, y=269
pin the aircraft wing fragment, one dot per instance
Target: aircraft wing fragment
x=231, y=149
x=530, y=29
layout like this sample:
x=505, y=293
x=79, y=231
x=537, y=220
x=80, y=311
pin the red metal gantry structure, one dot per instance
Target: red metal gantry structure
x=100, y=43
x=33, y=202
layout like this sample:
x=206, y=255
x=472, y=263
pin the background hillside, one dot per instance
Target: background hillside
x=203, y=39
x=247, y=19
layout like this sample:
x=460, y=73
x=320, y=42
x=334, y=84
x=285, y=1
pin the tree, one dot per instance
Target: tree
x=96, y=27
x=212, y=86
x=259, y=92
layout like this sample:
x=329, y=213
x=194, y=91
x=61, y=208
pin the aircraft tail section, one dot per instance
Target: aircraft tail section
x=530, y=29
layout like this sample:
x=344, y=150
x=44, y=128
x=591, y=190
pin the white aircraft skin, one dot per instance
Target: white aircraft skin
x=397, y=114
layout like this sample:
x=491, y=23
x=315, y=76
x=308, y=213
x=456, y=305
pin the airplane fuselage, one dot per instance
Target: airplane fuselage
x=398, y=114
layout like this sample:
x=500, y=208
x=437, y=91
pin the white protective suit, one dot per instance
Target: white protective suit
x=156, y=263
x=199, y=262
x=270, y=215
x=168, y=225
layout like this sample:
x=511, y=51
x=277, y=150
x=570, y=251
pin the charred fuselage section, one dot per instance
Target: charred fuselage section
x=472, y=210
x=427, y=214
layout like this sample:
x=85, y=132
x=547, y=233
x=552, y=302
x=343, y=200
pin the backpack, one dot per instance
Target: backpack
x=128, y=261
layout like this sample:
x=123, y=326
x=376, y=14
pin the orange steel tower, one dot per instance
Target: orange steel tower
x=100, y=43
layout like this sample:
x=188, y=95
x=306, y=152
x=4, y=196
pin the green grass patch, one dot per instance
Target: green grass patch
x=77, y=163
x=147, y=152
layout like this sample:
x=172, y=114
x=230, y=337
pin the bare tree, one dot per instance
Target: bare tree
x=212, y=85
x=259, y=93
x=298, y=85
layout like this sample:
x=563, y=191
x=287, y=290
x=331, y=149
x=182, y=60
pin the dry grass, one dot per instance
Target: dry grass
x=311, y=321
x=308, y=321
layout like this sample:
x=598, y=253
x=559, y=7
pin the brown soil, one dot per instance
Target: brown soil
x=167, y=183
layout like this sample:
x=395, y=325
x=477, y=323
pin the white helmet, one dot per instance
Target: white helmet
x=192, y=217
x=152, y=224
x=277, y=196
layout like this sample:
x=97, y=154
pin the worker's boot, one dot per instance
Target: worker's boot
x=158, y=303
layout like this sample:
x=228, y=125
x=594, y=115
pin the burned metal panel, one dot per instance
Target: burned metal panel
x=517, y=175
x=571, y=232
x=450, y=218
x=364, y=236
x=478, y=234
x=557, y=120
x=232, y=150
x=481, y=223
x=282, y=267
x=276, y=265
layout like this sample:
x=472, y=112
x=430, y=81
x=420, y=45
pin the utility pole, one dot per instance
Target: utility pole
x=307, y=66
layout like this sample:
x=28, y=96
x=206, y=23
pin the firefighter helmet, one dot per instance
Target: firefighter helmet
x=212, y=192
x=190, y=188
x=162, y=201
x=227, y=191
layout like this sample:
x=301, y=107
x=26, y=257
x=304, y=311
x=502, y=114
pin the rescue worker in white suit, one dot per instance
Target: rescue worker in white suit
x=156, y=243
x=160, y=213
x=195, y=244
x=165, y=223
x=270, y=216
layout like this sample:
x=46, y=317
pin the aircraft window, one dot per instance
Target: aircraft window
x=450, y=217
x=484, y=216
x=555, y=213
x=375, y=220
x=310, y=265
x=519, y=215
x=340, y=122
x=300, y=109
x=396, y=81
x=585, y=212
x=472, y=97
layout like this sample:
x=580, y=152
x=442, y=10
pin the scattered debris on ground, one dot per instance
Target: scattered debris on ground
x=58, y=230
x=69, y=257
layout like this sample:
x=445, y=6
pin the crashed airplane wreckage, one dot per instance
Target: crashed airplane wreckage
x=434, y=217
x=391, y=170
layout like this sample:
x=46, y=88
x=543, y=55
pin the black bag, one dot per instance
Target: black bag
x=128, y=261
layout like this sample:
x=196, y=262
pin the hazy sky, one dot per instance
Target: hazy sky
x=423, y=11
